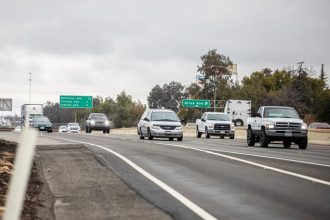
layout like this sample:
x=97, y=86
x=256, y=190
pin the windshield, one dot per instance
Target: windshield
x=41, y=119
x=98, y=116
x=218, y=117
x=73, y=124
x=280, y=113
x=164, y=116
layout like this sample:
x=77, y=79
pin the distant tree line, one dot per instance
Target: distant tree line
x=123, y=111
x=300, y=89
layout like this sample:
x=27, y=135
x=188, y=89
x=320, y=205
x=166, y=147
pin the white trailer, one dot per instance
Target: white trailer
x=28, y=111
x=239, y=111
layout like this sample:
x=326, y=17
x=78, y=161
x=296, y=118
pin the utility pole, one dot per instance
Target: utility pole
x=322, y=76
x=300, y=67
x=30, y=79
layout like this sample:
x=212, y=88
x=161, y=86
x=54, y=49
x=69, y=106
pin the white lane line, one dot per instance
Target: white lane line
x=185, y=201
x=253, y=164
x=269, y=157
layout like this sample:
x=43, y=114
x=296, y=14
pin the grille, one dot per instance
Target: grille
x=221, y=127
x=167, y=127
x=290, y=125
x=74, y=128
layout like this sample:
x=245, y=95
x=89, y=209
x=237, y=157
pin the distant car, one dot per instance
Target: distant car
x=73, y=128
x=319, y=125
x=42, y=123
x=160, y=123
x=97, y=122
x=62, y=129
x=18, y=129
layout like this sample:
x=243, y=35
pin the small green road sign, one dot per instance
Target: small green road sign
x=196, y=103
x=70, y=101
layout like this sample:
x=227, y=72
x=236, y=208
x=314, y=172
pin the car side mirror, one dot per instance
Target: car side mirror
x=203, y=119
x=258, y=115
x=183, y=122
x=302, y=116
x=146, y=119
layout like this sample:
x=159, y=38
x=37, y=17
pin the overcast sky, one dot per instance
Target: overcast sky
x=105, y=47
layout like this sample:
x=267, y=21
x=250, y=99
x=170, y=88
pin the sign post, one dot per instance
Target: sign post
x=69, y=101
x=196, y=103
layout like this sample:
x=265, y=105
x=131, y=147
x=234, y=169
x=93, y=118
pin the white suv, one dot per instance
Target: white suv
x=160, y=123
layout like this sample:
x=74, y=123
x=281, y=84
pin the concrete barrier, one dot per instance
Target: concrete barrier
x=315, y=136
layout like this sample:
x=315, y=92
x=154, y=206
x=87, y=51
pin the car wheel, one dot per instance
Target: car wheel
x=198, y=134
x=238, y=122
x=222, y=137
x=232, y=136
x=207, y=135
x=287, y=143
x=303, y=143
x=86, y=130
x=264, y=139
x=141, y=135
x=171, y=139
x=150, y=137
x=251, y=139
x=108, y=131
x=180, y=138
x=50, y=131
x=104, y=131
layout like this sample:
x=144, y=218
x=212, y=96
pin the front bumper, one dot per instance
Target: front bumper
x=99, y=127
x=221, y=132
x=166, y=133
x=286, y=133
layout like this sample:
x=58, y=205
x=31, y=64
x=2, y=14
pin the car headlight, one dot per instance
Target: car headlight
x=304, y=126
x=107, y=123
x=210, y=126
x=156, y=127
x=92, y=122
x=232, y=126
x=178, y=128
x=270, y=126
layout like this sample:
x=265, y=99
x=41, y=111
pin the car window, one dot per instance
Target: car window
x=218, y=117
x=41, y=119
x=164, y=116
x=98, y=116
x=280, y=113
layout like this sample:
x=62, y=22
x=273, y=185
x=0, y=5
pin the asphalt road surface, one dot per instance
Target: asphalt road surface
x=217, y=178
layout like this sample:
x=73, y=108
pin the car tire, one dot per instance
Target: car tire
x=287, y=143
x=207, y=135
x=232, y=136
x=104, y=131
x=222, y=137
x=50, y=131
x=141, y=135
x=303, y=143
x=150, y=137
x=198, y=134
x=264, y=139
x=238, y=122
x=108, y=131
x=170, y=139
x=180, y=138
x=250, y=138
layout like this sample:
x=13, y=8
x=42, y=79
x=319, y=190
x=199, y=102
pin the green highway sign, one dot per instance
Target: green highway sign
x=70, y=101
x=196, y=103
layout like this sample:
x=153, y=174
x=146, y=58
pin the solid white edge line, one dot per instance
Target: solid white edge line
x=185, y=201
x=254, y=164
x=269, y=157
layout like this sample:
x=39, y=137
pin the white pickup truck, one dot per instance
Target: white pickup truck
x=215, y=123
x=277, y=123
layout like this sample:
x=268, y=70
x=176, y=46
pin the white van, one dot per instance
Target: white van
x=238, y=111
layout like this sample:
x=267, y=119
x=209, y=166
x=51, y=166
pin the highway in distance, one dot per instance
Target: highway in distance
x=218, y=178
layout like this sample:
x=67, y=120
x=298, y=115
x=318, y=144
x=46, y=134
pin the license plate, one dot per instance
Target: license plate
x=288, y=134
x=222, y=132
x=167, y=132
x=42, y=127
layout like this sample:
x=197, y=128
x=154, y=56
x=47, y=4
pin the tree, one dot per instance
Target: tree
x=169, y=96
x=215, y=69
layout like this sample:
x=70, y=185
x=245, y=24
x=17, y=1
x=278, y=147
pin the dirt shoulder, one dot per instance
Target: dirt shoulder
x=67, y=182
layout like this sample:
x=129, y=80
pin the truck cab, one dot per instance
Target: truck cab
x=277, y=123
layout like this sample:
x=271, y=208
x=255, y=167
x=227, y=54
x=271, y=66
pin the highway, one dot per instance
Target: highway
x=217, y=178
